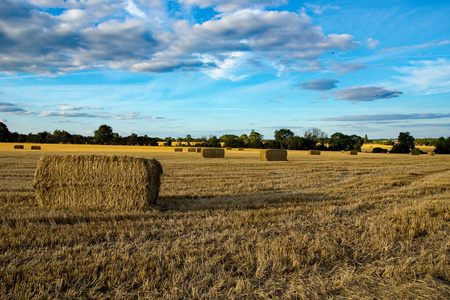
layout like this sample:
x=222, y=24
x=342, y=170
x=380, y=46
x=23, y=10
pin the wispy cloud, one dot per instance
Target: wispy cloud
x=318, y=9
x=343, y=68
x=426, y=76
x=388, y=117
x=365, y=93
x=76, y=107
x=426, y=45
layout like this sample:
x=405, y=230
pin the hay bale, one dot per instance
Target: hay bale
x=229, y=148
x=313, y=152
x=343, y=151
x=199, y=150
x=18, y=146
x=192, y=150
x=96, y=181
x=353, y=152
x=273, y=155
x=35, y=147
x=431, y=153
x=178, y=149
x=241, y=149
x=213, y=153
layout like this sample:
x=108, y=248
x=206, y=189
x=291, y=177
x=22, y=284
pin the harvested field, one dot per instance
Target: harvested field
x=331, y=226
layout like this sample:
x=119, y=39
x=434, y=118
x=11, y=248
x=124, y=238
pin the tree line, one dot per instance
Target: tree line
x=312, y=138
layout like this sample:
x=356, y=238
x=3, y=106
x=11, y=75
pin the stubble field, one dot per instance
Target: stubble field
x=371, y=226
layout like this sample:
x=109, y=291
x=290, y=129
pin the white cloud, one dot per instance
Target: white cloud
x=426, y=45
x=133, y=9
x=318, y=10
x=426, y=76
x=371, y=43
x=234, y=5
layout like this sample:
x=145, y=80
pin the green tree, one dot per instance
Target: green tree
x=315, y=135
x=5, y=134
x=103, y=135
x=255, y=139
x=405, y=143
x=443, y=146
x=283, y=134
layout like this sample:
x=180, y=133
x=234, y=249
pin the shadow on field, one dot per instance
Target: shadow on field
x=238, y=201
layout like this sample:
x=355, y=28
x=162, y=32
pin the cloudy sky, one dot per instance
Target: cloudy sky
x=200, y=67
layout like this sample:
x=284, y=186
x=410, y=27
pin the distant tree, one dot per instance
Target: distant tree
x=283, y=134
x=213, y=141
x=315, y=135
x=188, y=139
x=62, y=136
x=5, y=134
x=366, y=140
x=442, y=145
x=245, y=139
x=255, y=139
x=405, y=143
x=103, y=135
x=132, y=139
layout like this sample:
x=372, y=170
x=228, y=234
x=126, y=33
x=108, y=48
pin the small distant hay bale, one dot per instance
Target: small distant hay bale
x=178, y=149
x=213, y=153
x=229, y=148
x=241, y=149
x=199, y=150
x=353, y=152
x=35, y=147
x=343, y=151
x=273, y=155
x=97, y=182
x=313, y=152
x=18, y=146
x=431, y=154
x=192, y=149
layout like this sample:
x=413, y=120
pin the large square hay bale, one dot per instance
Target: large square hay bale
x=96, y=181
x=18, y=146
x=35, y=147
x=192, y=150
x=353, y=152
x=199, y=150
x=313, y=152
x=213, y=153
x=273, y=155
x=178, y=149
x=431, y=153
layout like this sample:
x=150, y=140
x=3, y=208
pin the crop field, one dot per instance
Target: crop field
x=329, y=226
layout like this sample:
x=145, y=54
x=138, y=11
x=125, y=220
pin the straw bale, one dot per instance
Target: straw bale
x=18, y=146
x=343, y=151
x=178, y=149
x=96, y=181
x=241, y=149
x=431, y=153
x=199, y=150
x=353, y=152
x=229, y=148
x=213, y=153
x=35, y=147
x=192, y=150
x=273, y=155
x=313, y=152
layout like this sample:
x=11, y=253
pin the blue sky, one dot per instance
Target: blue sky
x=201, y=67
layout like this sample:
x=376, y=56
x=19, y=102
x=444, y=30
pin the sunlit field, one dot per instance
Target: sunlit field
x=332, y=226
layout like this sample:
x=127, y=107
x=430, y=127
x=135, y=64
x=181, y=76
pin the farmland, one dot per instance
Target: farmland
x=371, y=226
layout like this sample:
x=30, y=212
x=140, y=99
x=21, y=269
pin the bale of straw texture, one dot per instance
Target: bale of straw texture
x=342, y=151
x=178, y=149
x=353, y=152
x=96, y=181
x=241, y=149
x=213, y=153
x=431, y=153
x=229, y=148
x=192, y=150
x=313, y=152
x=18, y=146
x=273, y=155
x=35, y=147
x=199, y=150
